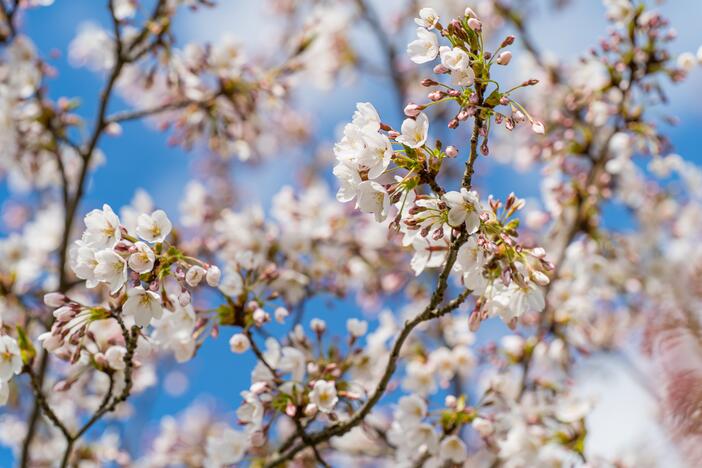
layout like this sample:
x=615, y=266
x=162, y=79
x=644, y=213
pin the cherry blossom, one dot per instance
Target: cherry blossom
x=143, y=305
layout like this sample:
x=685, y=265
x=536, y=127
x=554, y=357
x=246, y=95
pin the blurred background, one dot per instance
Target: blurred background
x=216, y=376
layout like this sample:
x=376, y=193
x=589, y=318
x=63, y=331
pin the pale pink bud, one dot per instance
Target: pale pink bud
x=412, y=110
x=290, y=410
x=451, y=151
x=470, y=13
x=239, y=343
x=213, y=275
x=64, y=314
x=540, y=278
x=194, y=275
x=475, y=24
x=450, y=401
x=113, y=129
x=281, y=313
x=318, y=325
x=260, y=316
x=538, y=252
x=435, y=95
x=55, y=299
x=537, y=127
x=503, y=58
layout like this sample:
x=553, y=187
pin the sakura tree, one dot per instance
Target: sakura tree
x=471, y=315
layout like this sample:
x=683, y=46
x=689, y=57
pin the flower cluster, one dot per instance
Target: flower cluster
x=143, y=275
x=481, y=313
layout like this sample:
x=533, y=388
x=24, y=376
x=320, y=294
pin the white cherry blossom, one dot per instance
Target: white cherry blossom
x=154, y=227
x=323, y=395
x=427, y=18
x=102, y=229
x=414, y=131
x=110, y=268
x=143, y=305
x=464, y=207
x=142, y=260
x=10, y=359
x=425, y=48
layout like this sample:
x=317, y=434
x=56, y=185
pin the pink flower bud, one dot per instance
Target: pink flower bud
x=538, y=252
x=451, y=151
x=475, y=24
x=194, y=275
x=318, y=325
x=260, y=316
x=537, y=127
x=212, y=276
x=435, y=95
x=509, y=40
x=281, y=313
x=503, y=58
x=64, y=314
x=470, y=13
x=113, y=129
x=540, y=278
x=412, y=110
x=55, y=299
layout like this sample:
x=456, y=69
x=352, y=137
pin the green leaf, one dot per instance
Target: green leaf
x=27, y=350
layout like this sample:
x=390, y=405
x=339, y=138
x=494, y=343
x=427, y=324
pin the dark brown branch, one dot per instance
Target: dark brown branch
x=431, y=311
x=71, y=208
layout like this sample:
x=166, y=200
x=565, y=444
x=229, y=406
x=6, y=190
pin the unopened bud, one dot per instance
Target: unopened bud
x=318, y=325
x=212, y=276
x=412, y=110
x=540, y=278
x=503, y=58
x=260, y=316
x=281, y=313
x=475, y=24
x=436, y=95
x=55, y=299
x=509, y=40
x=451, y=151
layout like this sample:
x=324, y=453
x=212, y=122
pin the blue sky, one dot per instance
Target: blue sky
x=216, y=375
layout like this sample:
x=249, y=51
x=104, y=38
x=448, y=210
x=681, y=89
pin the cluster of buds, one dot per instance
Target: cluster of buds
x=468, y=64
x=144, y=275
